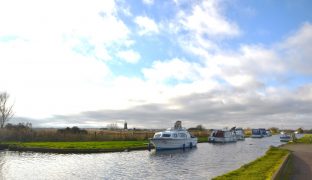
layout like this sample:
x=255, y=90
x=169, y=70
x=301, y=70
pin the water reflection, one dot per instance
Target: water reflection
x=203, y=162
x=172, y=152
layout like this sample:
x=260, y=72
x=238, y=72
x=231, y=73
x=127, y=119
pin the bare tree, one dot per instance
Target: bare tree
x=6, y=112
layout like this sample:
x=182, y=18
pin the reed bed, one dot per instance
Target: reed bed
x=52, y=135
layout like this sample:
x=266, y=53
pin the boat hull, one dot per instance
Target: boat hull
x=256, y=136
x=163, y=144
x=222, y=139
x=240, y=137
x=285, y=138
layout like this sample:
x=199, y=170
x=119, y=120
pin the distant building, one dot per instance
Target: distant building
x=125, y=125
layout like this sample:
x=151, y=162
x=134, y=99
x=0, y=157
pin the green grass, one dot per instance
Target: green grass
x=81, y=145
x=287, y=171
x=202, y=139
x=306, y=139
x=262, y=168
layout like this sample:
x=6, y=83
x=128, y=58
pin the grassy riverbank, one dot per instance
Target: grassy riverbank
x=202, y=139
x=262, y=168
x=79, y=147
x=297, y=165
x=306, y=139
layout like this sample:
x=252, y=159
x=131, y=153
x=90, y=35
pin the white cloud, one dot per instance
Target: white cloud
x=55, y=61
x=147, y=26
x=148, y=2
x=129, y=56
x=84, y=24
x=175, y=69
x=296, y=50
x=201, y=27
x=55, y=64
x=53, y=79
x=206, y=19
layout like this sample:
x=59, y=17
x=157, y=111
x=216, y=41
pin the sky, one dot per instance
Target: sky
x=218, y=63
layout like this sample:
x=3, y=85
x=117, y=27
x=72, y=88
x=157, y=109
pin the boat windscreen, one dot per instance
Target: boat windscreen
x=218, y=134
x=166, y=135
x=255, y=131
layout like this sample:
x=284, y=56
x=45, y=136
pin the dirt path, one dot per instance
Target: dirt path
x=302, y=160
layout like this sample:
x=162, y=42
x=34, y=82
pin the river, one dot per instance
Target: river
x=204, y=162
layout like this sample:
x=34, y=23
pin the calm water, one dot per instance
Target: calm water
x=204, y=162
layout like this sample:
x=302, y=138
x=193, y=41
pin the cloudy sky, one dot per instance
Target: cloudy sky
x=216, y=62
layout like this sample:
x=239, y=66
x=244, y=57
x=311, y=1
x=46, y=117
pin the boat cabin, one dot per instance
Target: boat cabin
x=256, y=133
x=221, y=133
x=173, y=134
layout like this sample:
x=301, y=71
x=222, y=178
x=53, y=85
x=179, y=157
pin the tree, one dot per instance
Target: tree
x=112, y=126
x=300, y=130
x=200, y=127
x=6, y=110
x=274, y=130
x=197, y=128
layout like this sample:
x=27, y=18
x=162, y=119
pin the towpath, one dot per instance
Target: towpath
x=302, y=160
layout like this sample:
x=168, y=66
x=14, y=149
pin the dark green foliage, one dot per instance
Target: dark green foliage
x=198, y=128
x=19, y=126
x=306, y=139
x=73, y=130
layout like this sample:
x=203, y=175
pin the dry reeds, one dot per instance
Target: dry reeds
x=53, y=135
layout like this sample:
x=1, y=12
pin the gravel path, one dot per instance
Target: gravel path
x=302, y=159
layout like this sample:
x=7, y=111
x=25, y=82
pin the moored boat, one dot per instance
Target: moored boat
x=284, y=137
x=174, y=138
x=268, y=133
x=222, y=136
x=256, y=133
x=240, y=134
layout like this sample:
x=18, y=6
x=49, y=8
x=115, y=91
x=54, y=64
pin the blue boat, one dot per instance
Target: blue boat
x=256, y=133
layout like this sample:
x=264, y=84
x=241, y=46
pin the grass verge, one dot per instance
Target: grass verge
x=287, y=170
x=262, y=168
x=306, y=139
x=202, y=139
x=72, y=147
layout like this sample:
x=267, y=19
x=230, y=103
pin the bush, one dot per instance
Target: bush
x=73, y=130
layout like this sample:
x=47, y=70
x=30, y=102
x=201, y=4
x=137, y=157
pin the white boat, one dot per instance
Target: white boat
x=174, y=138
x=285, y=137
x=240, y=134
x=222, y=136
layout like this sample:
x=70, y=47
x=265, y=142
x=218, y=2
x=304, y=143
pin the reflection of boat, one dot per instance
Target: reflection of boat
x=174, y=138
x=240, y=134
x=284, y=137
x=173, y=152
x=223, y=136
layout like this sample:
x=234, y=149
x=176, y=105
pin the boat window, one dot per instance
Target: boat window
x=191, y=135
x=175, y=135
x=166, y=135
x=182, y=135
x=255, y=131
x=219, y=134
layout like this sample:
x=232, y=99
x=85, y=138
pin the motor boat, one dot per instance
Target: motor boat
x=257, y=133
x=284, y=137
x=268, y=133
x=240, y=134
x=222, y=136
x=174, y=138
